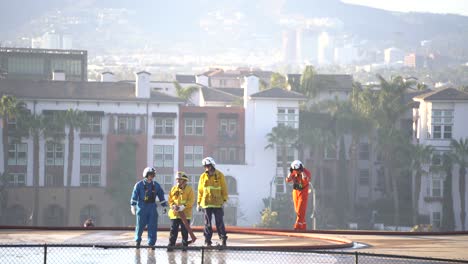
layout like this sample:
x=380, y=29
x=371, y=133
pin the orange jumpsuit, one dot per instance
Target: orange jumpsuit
x=300, y=194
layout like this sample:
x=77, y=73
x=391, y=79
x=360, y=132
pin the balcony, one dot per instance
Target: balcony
x=228, y=136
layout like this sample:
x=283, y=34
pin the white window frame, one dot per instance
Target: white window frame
x=90, y=179
x=94, y=123
x=290, y=156
x=165, y=125
x=436, y=219
x=442, y=122
x=93, y=153
x=364, y=180
x=288, y=116
x=128, y=123
x=194, y=126
x=163, y=156
x=14, y=153
x=17, y=179
x=193, y=156
x=53, y=153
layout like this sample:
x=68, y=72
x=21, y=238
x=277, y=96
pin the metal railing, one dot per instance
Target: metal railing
x=87, y=253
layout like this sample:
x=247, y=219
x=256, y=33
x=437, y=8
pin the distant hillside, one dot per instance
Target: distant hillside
x=228, y=24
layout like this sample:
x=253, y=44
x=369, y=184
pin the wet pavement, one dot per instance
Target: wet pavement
x=444, y=247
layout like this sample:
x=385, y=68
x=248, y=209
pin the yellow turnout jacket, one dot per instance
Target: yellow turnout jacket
x=212, y=190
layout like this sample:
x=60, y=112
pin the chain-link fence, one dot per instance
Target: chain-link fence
x=115, y=254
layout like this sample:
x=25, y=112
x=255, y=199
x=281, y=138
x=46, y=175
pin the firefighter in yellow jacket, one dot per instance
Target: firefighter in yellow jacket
x=212, y=194
x=181, y=199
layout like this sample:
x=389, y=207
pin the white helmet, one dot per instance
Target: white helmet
x=297, y=165
x=181, y=175
x=148, y=170
x=209, y=161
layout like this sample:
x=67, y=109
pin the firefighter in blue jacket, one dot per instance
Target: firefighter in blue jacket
x=143, y=205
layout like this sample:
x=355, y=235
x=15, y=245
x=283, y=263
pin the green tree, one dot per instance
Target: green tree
x=123, y=178
x=278, y=81
x=421, y=154
x=185, y=93
x=10, y=108
x=460, y=157
x=307, y=86
x=448, y=221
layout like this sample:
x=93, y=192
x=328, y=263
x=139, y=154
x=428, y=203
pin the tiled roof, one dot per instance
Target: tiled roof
x=234, y=91
x=444, y=94
x=77, y=90
x=279, y=94
x=185, y=78
x=215, y=95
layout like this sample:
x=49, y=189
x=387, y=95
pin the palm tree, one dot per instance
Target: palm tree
x=421, y=154
x=448, y=222
x=282, y=137
x=36, y=126
x=460, y=155
x=185, y=93
x=75, y=120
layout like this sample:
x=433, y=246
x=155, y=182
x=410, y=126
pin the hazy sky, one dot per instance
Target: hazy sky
x=432, y=6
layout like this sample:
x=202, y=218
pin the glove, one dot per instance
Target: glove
x=199, y=208
x=290, y=170
x=174, y=207
x=181, y=208
x=133, y=209
x=164, y=210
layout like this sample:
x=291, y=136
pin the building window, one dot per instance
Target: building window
x=126, y=124
x=193, y=156
x=16, y=179
x=163, y=156
x=93, y=124
x=231, y=184
x=330, y=152
x=280, y=185
x=437, y=158
x=228, y=128
x=54, y=154
x=17, y=154
x=11, y=124
x=290, y=154
x=90, y=155
x=54, y=180
x=288, y=117
x=436, y=219
x=436, y=187
x=228, y=155
x=364, y=177
x=442, y=122
x=166, y=182
x=364, y=151
x=194, y=126
x=90, y=180
x=164, y=127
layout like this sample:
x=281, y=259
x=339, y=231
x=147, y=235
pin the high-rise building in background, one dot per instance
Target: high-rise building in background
x=326, y=48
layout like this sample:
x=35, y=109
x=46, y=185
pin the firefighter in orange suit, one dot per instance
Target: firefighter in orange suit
x=300, y=177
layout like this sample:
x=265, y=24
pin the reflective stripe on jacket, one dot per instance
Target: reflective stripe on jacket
x=178, y=196
x=212, y=190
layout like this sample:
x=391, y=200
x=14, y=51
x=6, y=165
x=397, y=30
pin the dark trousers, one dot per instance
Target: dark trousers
x=175, y=223
x=208, y=231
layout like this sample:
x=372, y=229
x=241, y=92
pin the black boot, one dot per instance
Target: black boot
x=184, y=246
x=224, y=241
x=137, y=244
x=170, y=247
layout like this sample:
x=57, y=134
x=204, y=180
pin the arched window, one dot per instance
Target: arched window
x=16, y=215
x=231, y=184
x=54, y=215
x=89, y=211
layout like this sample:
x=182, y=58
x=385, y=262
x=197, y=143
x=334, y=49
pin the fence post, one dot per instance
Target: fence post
x=356, y=257
x=202, y=255
x=45, y=253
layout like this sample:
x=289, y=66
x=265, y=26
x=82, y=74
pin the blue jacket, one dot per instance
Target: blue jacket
x=152, y=190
